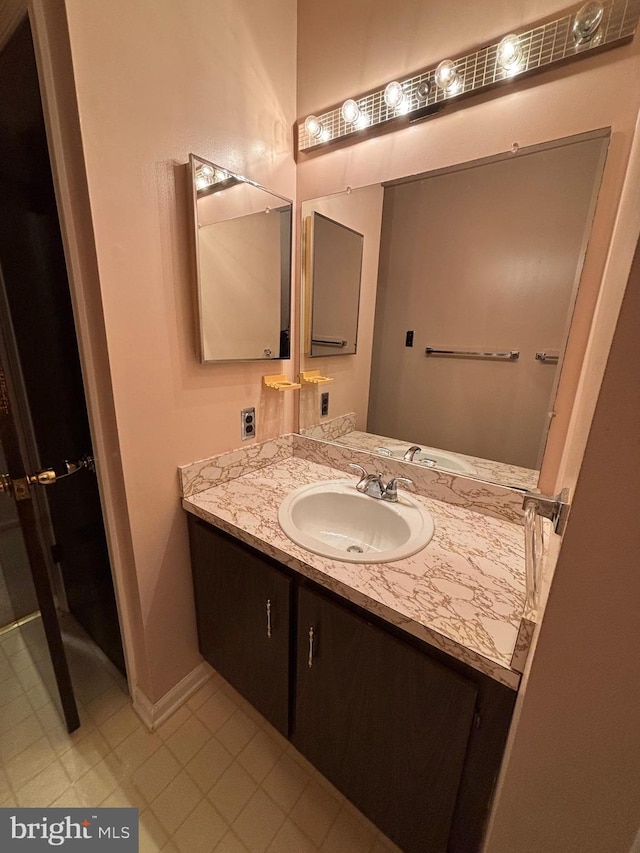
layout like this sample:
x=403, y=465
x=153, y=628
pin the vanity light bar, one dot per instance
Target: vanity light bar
x=595, y=25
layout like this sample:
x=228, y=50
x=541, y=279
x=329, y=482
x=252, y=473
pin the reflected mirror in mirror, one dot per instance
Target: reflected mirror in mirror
x=243, y=261
x=469, y=278
x=332, y=286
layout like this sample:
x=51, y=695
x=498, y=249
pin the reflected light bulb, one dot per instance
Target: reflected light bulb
x=509, y=53
x=350, y=111
x=207, y=171
x=393, y=95
x=446, y=76
x=313, y=126
x=587, y=22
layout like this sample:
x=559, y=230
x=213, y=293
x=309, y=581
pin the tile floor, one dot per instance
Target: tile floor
x=215, y=777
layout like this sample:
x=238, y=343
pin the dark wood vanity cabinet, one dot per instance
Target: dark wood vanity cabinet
x=380, y=718
x=413, y=737
x=243, y=609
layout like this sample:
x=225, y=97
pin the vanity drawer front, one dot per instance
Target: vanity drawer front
x=386, y=724
x=243, y=607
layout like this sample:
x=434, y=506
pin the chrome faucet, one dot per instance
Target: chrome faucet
x=369, y=484
x=409, y=456
x=373, y=485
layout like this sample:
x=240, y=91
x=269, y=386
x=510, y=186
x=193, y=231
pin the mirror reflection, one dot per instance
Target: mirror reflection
x=335, y=261
x=469, y=279
x=243, y=260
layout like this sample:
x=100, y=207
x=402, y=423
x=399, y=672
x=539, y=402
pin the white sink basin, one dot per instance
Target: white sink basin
x=334, y=520
x=427, y=455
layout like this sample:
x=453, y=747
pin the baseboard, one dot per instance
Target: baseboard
x=154, y=714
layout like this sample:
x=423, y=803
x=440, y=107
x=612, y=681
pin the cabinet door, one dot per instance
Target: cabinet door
x=243, y=608
x=387, y=725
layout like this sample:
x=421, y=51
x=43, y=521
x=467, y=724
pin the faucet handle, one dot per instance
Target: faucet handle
x=363, y=473
x=361, y=468
x=391, y=490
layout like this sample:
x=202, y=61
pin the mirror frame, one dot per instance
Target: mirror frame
x=284, y=297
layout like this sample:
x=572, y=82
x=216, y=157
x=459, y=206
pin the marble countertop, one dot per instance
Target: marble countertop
x=464, y=593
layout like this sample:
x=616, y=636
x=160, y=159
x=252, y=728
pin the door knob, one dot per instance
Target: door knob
x=42, y=478
x=19, y=488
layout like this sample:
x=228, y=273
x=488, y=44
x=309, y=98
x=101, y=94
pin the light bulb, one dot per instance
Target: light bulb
x=350, y=111
x=313, y=126
x=363, y=121
x=587, y=21
x=446, y=76
x=393, y=95
x=509, y=53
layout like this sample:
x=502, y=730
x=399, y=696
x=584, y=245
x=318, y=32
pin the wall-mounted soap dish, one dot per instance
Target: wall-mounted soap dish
x=313, y=377
x=279, y=382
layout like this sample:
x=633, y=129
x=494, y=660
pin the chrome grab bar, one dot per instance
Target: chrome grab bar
x=547, y=357
x=511, y=355
x=533, y=555
x=329, y=342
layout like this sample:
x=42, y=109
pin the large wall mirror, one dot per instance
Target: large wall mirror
x=469, y=278
x=243, y=261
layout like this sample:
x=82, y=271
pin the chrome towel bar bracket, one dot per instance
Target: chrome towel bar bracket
x=556, y=509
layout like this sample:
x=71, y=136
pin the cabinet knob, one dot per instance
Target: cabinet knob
x=268, y=618
x=310, y=661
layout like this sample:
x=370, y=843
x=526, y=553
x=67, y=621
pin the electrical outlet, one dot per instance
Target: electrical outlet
x=324, y=404
x=248, y=423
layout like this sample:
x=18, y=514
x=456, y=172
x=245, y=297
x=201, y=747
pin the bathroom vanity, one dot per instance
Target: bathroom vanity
x=394, y=680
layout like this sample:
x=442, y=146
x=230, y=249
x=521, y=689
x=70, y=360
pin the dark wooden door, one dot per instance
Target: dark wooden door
x=387, y=725
x=37, y=290
x=14, y=488
x=243, y=606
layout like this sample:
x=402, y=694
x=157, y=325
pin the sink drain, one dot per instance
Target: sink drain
x=355, y=549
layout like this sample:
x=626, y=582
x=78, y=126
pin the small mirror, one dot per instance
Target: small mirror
x=243, y=260
x=333, y=267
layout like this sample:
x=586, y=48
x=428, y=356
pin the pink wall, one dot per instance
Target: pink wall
x=156, y=81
